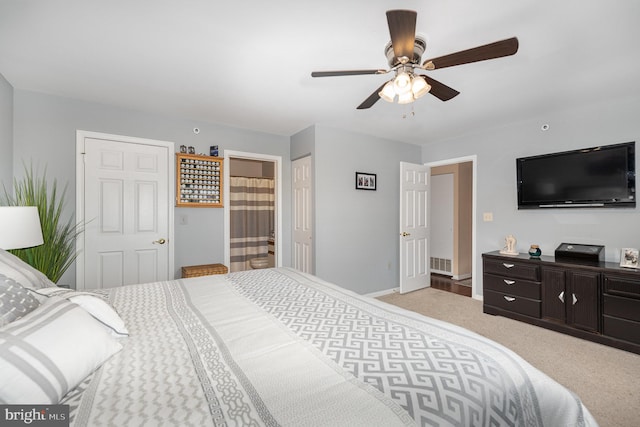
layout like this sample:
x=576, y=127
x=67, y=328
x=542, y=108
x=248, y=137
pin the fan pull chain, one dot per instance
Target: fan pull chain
x=412, y=113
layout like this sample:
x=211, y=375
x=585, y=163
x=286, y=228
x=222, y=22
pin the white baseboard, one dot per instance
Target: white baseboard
x=381, y=293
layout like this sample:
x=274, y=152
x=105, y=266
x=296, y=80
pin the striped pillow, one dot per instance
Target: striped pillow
x=15, y=300
x=49, y=351
x=13, y=267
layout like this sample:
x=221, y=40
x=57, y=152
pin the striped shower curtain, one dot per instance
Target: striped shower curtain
x=251, y=218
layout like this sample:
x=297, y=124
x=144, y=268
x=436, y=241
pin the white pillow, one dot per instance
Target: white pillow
x=15, y=300
x=94, y=304
x=13, y=267
x=50, y=351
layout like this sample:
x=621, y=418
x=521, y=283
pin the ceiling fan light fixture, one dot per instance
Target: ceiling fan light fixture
x=402, y=83
x=406, y=98
x=388, y=92
x=420, y=87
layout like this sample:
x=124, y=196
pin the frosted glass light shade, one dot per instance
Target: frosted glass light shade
x=406, y=98
x=388, y=93
x=20, y=227
x=420, y=87
x=402, y=83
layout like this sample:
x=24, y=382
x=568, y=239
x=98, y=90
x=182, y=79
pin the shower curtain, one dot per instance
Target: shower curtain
x=251, y=218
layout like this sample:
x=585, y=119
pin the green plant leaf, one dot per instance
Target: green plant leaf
x=58, y=252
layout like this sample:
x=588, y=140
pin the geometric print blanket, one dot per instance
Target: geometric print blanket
x=280, y=347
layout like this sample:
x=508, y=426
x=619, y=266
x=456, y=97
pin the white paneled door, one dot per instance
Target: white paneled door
x=127, y=206
x=302, y=215
x=414, y=230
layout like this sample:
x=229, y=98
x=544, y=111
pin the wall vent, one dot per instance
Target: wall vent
x=441, y=264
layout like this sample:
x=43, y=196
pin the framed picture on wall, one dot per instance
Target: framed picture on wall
x=629, y=258
x=365, y=181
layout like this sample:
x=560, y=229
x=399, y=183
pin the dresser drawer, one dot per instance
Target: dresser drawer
x=626, y=308
x=627, y=330
x=516, y=287
x=526, y=306
x=622, y=285
x=511, y=269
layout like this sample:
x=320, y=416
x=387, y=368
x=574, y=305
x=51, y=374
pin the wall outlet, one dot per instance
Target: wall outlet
x=487, y=216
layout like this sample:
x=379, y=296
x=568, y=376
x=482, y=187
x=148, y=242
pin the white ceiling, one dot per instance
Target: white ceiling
x=248, y=63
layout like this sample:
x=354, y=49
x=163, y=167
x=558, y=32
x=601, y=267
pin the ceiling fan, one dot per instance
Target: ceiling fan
x=404, y=54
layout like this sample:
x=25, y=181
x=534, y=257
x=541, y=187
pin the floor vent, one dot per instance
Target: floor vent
x=441, y=264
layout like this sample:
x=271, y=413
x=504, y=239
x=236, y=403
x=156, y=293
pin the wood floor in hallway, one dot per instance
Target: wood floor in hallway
x=446, y=283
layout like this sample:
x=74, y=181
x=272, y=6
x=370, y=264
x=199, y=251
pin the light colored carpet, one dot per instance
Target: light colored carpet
x=606, y=379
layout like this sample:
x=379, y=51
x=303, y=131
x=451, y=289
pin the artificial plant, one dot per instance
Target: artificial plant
x=58, y=252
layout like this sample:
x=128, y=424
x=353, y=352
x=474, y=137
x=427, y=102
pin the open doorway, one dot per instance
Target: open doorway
x=452, y=243
x=252, y=213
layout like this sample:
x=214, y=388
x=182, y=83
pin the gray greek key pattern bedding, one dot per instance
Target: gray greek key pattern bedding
x=437, y=381
x=278, y=347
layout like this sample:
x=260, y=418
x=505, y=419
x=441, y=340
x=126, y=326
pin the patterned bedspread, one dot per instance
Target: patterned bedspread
x=279, y=347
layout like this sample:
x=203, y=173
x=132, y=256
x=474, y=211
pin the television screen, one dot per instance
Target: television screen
x=591, y=177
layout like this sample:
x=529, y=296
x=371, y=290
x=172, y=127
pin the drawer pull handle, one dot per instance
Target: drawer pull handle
x=561, y=296
x=509, y=282
x=508, y=265
x=510, y=299
x=575, y=300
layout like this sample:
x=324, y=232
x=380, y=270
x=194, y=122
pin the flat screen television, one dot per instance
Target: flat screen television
x=602, y=176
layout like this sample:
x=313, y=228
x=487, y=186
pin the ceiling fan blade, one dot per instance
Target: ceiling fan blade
x=440, y=90
x=345, y=73
x=489, y=51
x=372, y=99
x=402, y=28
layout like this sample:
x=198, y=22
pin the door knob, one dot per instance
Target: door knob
x=405, y=234
x=160, y=242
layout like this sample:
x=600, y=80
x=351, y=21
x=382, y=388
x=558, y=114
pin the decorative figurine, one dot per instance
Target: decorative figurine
x=510, y=246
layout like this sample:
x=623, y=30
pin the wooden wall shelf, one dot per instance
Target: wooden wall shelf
x=199, y=181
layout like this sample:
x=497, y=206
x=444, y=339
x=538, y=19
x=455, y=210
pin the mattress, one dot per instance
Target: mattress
x=279, y=347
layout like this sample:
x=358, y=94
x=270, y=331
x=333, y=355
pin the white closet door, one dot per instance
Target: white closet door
x=127, y=190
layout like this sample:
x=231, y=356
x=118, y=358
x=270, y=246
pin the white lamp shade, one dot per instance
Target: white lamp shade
x=20, y=227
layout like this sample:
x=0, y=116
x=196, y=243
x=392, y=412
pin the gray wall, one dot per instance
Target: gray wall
x=6, y=134
x=586, y=126
x=357, y=241
x=45, y=135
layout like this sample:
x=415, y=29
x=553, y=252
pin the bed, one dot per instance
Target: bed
x=277, y=347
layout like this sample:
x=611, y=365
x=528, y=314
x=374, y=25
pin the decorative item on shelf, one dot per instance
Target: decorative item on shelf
x=213, y=150
x=365, y=181
x=509, y=246
x=534, y=251
x=192, y=150
x=629, y=258
x=183, y=149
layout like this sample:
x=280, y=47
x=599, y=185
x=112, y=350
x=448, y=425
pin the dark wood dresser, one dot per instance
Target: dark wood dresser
x=597, y=301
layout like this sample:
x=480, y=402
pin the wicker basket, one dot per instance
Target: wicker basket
x=204, y=270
